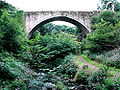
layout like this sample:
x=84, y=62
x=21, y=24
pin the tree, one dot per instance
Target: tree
x=6, y=6
x=105, y=37
x=107, y=16
x=117, y=7
x=52, y=46
x=107, y=5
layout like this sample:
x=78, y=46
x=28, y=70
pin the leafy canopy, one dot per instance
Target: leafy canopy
x=105, y=35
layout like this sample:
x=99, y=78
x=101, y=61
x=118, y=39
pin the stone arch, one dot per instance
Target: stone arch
x=82, y=27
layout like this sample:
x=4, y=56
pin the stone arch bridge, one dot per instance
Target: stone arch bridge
x=81, y=19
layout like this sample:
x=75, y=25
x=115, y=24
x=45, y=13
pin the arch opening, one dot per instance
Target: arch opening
x=60, y=18
x=62, y=23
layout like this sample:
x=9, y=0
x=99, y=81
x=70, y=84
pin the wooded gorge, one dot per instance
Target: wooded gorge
x=58, y=57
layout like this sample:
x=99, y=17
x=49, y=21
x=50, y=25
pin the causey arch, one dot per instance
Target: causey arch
x=60, y=18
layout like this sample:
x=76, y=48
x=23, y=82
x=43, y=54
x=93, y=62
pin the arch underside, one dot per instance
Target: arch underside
x=61, y=18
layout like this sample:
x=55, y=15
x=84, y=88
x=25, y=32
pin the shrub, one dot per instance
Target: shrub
x=97, y=79
x=105, y=35
x=12, y=44
x=93, y=57
x=82, y=75
x=48, y=48
x=11, y=33
x=7, y=73
x=86, y=52
x=98, y=76
x=110, y=58
x=94, y=19
x=13, y=72
x=68, y=66
x=103, y=38
x=113, y=83
x=117, y=7
x=108, y=16
x=48, y=28
x=4, y=5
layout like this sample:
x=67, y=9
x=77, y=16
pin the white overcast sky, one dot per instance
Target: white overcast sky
x=54, y=5
x=43, y=5
x=47, y=5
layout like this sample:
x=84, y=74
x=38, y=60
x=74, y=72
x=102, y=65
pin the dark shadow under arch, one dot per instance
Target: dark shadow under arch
x=60, y=18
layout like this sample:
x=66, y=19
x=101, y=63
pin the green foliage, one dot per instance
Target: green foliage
x=108, y=83
x=106, y=4
x=117, y=7
x=19, y=15
x=118, y=16
x=61, y=86
x=11, y=28
x=113, y=82
x=7, y=73
x=86, y=52
x=105, y=35
x=110, y=58
x=97, y=79
x=48, y=28
x=89, y=77
x=68, y=66
x=98, y=76
x=94, y=20
x=12, y=45
x=82, y=74
x=50, y=47
x=11, y=33
x=103, y=38
x=4, y=5
x=108, y=16
x=8, y=68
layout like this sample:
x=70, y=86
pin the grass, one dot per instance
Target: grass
x=61, y=85
x=111, y=70
x=79, y=62
x=91, y=62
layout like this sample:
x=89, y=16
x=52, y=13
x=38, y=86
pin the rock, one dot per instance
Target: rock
x=59, y=66
x=49, y=86
x=44, y=70
x=43, y=74
x=47, y=70
x=72, y=88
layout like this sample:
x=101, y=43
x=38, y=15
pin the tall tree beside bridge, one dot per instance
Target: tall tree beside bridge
x=113, y=5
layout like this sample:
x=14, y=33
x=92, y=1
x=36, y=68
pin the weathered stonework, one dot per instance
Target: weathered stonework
x=32, y=19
